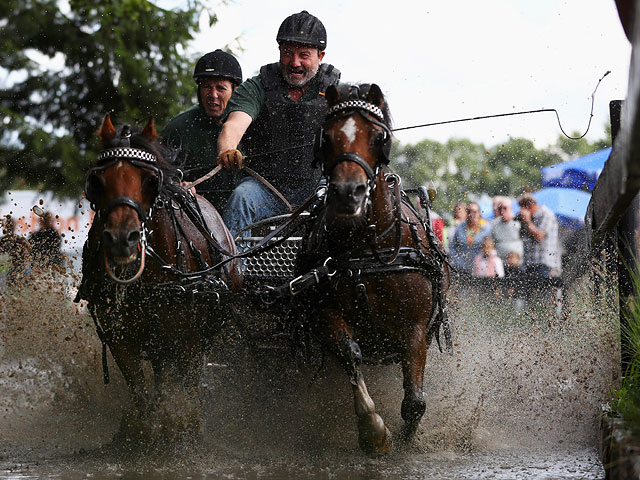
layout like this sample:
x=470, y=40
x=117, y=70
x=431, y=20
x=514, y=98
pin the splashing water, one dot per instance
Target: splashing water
x=520, y=396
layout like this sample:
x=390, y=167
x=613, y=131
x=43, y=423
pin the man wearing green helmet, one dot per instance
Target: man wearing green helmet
x=278, y=109
x=196, y=130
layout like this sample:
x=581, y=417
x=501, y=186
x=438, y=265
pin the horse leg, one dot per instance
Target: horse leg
x=413, y=362
x=130, y=366
x=177, y=369
x=374, y=437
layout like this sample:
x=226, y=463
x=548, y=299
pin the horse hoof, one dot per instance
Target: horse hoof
x=409, y=430
x=378, y=446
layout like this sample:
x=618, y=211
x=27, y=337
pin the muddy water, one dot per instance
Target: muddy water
x=520, y=398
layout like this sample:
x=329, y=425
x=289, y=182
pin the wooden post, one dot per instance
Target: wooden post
x=626, y=248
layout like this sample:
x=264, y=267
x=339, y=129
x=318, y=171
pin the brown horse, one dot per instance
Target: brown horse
x=381, y=275
x=151, y=281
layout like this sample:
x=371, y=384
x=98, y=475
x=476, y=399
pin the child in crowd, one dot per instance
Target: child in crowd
x=513, y=264
x=513, y=273
x=487, y=263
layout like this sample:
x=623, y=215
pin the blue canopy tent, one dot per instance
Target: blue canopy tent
x=569, y=205
x=576, y=173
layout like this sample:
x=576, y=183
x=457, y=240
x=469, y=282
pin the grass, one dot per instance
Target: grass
x=625, y=400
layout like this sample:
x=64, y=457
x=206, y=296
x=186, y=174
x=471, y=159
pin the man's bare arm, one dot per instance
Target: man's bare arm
x=232, y=131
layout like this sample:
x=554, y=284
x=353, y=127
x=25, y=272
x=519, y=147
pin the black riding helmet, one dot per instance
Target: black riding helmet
x=218, y=64
x=303, y=28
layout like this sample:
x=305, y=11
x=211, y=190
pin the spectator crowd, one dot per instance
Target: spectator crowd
x=522, y=249
x=41, y=250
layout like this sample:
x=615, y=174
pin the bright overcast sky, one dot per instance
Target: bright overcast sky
x=441, y=60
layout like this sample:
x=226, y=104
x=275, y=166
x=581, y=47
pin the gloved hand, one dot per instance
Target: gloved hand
x=230, y=158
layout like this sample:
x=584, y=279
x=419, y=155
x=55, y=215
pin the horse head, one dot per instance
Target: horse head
x=123, y=188
x=352, y=147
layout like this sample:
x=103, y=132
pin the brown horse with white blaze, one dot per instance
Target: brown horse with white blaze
x=383, y=298
x=151, y=281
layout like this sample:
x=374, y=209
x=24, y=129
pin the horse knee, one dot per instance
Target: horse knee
x=413, y=407
x=350, y=356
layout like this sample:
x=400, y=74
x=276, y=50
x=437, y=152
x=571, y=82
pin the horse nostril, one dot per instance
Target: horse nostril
x=133, y=238
x=108, y=237
x=360, y=191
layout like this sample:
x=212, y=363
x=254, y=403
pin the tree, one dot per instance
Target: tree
x=117, y=56
x=461, y=169
x=577, y=148
x=515, y=166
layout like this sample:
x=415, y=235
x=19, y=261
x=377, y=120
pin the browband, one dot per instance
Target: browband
x=127, y=153
x=356, y=104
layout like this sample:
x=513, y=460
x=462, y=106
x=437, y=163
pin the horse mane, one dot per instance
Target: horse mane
x=360, y=91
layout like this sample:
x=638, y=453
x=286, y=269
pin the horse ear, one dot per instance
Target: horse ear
x=107, y=131
x=149, y=131
x=375, y=95
x=332, y=94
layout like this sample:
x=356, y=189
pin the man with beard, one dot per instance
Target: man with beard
x=278, y=109
x=196, y=130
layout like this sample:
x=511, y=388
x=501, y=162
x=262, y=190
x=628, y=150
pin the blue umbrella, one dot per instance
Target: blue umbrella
x=576, y=173
x=569, y=205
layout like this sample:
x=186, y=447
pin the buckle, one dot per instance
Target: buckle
x=301, y=278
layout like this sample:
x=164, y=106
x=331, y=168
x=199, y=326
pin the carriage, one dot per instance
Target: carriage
x=355, y=268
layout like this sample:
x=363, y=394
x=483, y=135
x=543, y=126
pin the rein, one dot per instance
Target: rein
x=351, y=266
x=445, y=122
x=143, y=159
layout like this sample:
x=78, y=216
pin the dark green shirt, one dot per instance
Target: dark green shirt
x=249, y=97
x=197, y=134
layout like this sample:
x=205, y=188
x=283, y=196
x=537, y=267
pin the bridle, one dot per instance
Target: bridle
x=373, y=114
x=141, y=159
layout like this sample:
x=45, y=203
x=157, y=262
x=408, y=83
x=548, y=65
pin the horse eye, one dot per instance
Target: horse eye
x=93, y=187
x=151, y=184
x=326, y=141
x=379, y=139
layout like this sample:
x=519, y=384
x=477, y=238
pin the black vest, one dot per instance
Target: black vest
x=283, y=123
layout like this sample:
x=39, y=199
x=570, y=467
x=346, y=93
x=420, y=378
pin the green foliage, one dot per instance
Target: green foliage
x=117, y=56
x=580, y=147
x=461, y=169
x=625, y=400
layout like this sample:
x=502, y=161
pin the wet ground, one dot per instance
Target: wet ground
x=520, y=398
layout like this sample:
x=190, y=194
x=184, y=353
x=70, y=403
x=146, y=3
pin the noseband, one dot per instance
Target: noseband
x=141, y=159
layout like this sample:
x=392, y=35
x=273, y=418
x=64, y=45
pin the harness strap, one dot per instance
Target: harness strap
x=298, y=284
x=103, y=339
x=251, y=172
x=362, y=299
x=268, y=184
x=397, y=223
x=129, y=202
x=349, y=157
x=180, y=262
x=264, y=244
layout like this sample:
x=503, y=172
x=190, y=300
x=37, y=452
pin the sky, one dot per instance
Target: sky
x=440, y=60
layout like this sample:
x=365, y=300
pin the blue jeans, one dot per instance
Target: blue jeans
x=251, y=201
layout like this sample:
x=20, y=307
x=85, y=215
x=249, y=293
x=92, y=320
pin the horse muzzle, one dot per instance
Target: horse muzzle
x=122, y=246
x=347, y=199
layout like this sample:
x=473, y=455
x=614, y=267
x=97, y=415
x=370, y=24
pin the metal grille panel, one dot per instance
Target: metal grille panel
x=276, y=263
